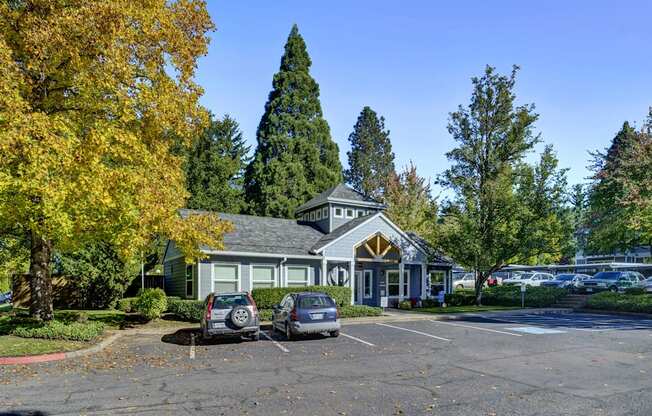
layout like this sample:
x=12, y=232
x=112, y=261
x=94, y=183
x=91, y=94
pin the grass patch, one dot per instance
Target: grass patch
x=11, y=346
x=5, y=307
x=463, y=309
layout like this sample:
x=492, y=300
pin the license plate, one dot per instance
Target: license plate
x=316, y=316
x=588, y=289
x=218, y=325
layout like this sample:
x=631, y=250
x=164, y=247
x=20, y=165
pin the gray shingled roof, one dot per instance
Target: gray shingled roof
x=434, y=255
x=339, y=193
x=266, y=235
x=340, y=231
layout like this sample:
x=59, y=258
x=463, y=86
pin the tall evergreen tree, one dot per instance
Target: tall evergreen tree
x=371, y=160
x=215, y=168
x=296, y=157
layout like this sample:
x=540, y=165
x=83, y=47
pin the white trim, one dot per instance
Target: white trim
x=346, y=213
x=352, y=279
x=296, y=266
x=353, y=202
x=262, y=265
x=371, y=218
x=364, y=284
x=186, y=280
x=340, y=259
x=222, y=263
x=198, y=281
x=387, y=272
x=318, y=214
x=312, y=215
x=359, y=213
x=335, y=212
x=324, y=212
x=359, y=281
x=254, y=254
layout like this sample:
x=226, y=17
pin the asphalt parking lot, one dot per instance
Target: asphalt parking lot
x=507, y=364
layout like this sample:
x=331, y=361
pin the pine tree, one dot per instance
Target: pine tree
x=295, y=158
x=371, y=160
x=215, y=168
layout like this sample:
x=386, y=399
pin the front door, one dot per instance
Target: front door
x=357, y=296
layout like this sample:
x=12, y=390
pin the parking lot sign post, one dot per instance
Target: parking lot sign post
x=522, y=296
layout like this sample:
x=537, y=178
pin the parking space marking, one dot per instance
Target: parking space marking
x=476, y=327
x=191, y=353
x=414, y=331
x=280, y=347
x=357, y=339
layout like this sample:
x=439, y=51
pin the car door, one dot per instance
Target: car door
x=277, y=313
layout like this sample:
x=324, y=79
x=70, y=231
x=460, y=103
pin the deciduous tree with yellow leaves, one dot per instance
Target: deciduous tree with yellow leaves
x=93, y=95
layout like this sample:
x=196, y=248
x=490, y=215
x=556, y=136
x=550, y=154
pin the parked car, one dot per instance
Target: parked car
x=528, y=279
x=230, y=315
x=647, y=284
x=306, y=313
x=494, y=280
x=464, y=281
x=613, y=281
x=5, y=297
x=566, y=280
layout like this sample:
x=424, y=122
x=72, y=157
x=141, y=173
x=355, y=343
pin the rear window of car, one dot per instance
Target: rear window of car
x=315, y=302
x=607, y=275
x=565, y=277
x=230, y=301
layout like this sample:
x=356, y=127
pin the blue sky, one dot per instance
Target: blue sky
x=585, y=64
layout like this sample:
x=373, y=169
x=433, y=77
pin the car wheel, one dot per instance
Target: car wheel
x=335, y=334
x=288, y=333
x=240, y=316
x=613, y=289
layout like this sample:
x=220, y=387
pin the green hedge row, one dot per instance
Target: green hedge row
x=186, y=310
x=357, y=311
x=266, y=298
x=537, y=297
x=70, y=331
x=621, y=302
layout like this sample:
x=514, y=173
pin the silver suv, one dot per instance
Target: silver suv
x=229, y=315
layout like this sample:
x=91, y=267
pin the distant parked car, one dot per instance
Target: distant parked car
x=614, y=281
x=566, y=280
x=306, y=313
x=464, y=281
x=528, y=279
x=5, y=298
x=230, y=315
x=647, y=284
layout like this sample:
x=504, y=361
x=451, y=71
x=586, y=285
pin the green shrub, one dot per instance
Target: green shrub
x=635, y=291
x=429, y=303
x=151, y=303
x=357, y=311
x=126, y=305
x=186, y=310
x=536, y=297
x=459, y=298
x=405, y=304
x=266, y=298
x=620, y=302
x=265, y=314
x=70, y=331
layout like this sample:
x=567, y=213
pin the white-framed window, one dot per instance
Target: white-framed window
x=297, y=276
x=312, y=215
x=349, y=213
x=324, y=212
x=393, y=283
x=226, y=277
x=263, y=276
x=318, y=215
x=406, y=284
x=189, y=281
x=360, y=213
x=339, y=212
x=368, y=283
x=436, y=281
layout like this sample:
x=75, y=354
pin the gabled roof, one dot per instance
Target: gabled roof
x=339, y=231
x=342, y=194
x=265, y=235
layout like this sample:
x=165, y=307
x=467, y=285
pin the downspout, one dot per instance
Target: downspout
x=281, y=274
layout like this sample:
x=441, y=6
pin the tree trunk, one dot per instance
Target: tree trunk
x=40, y=281
x=479, y=281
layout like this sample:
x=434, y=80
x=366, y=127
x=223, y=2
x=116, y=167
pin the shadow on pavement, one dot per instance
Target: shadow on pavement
x=24, y=413
x=183, y=337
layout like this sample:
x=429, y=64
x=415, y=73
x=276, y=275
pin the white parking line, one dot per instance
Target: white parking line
x=416, y=332
x=357, y=339
x=476, y=327
x=192, y=347
x=280, y=347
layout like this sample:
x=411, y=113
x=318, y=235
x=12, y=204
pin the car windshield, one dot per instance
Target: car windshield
x=565, y=277
x=525, y=276
x=607, y=275
x=230, y=301
x=315, y=302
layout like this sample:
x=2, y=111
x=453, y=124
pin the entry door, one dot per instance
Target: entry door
x=357, y=296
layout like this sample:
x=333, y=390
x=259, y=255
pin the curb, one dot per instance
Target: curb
x=606, y=312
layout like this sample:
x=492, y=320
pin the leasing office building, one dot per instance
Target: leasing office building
x=340, y=238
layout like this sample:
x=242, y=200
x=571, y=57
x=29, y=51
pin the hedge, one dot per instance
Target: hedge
x=151, y=303
x=186, y=310
x=357, y=311
x=70, y=331
x=266, y=298
x=538, y=297
x=620, y=302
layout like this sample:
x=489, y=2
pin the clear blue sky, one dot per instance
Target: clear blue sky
x=585, y=64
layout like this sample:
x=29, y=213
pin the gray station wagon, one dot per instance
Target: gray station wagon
x=230, y=315
x=306, y=313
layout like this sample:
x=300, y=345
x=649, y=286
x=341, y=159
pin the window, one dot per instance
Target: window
x=226, y=278
x=338, y=213
x=262, y=276
x=406, y=283
x=315, y=302
x=349, y=213
x=297, y=276
x=393, y=284
x=360, y=213
x=341, y=276
x=312, y=215
x=189, y=281
x=230, y=301
x=318, y=215
x=436, y=282
x=324, y=212
x=368, y=283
